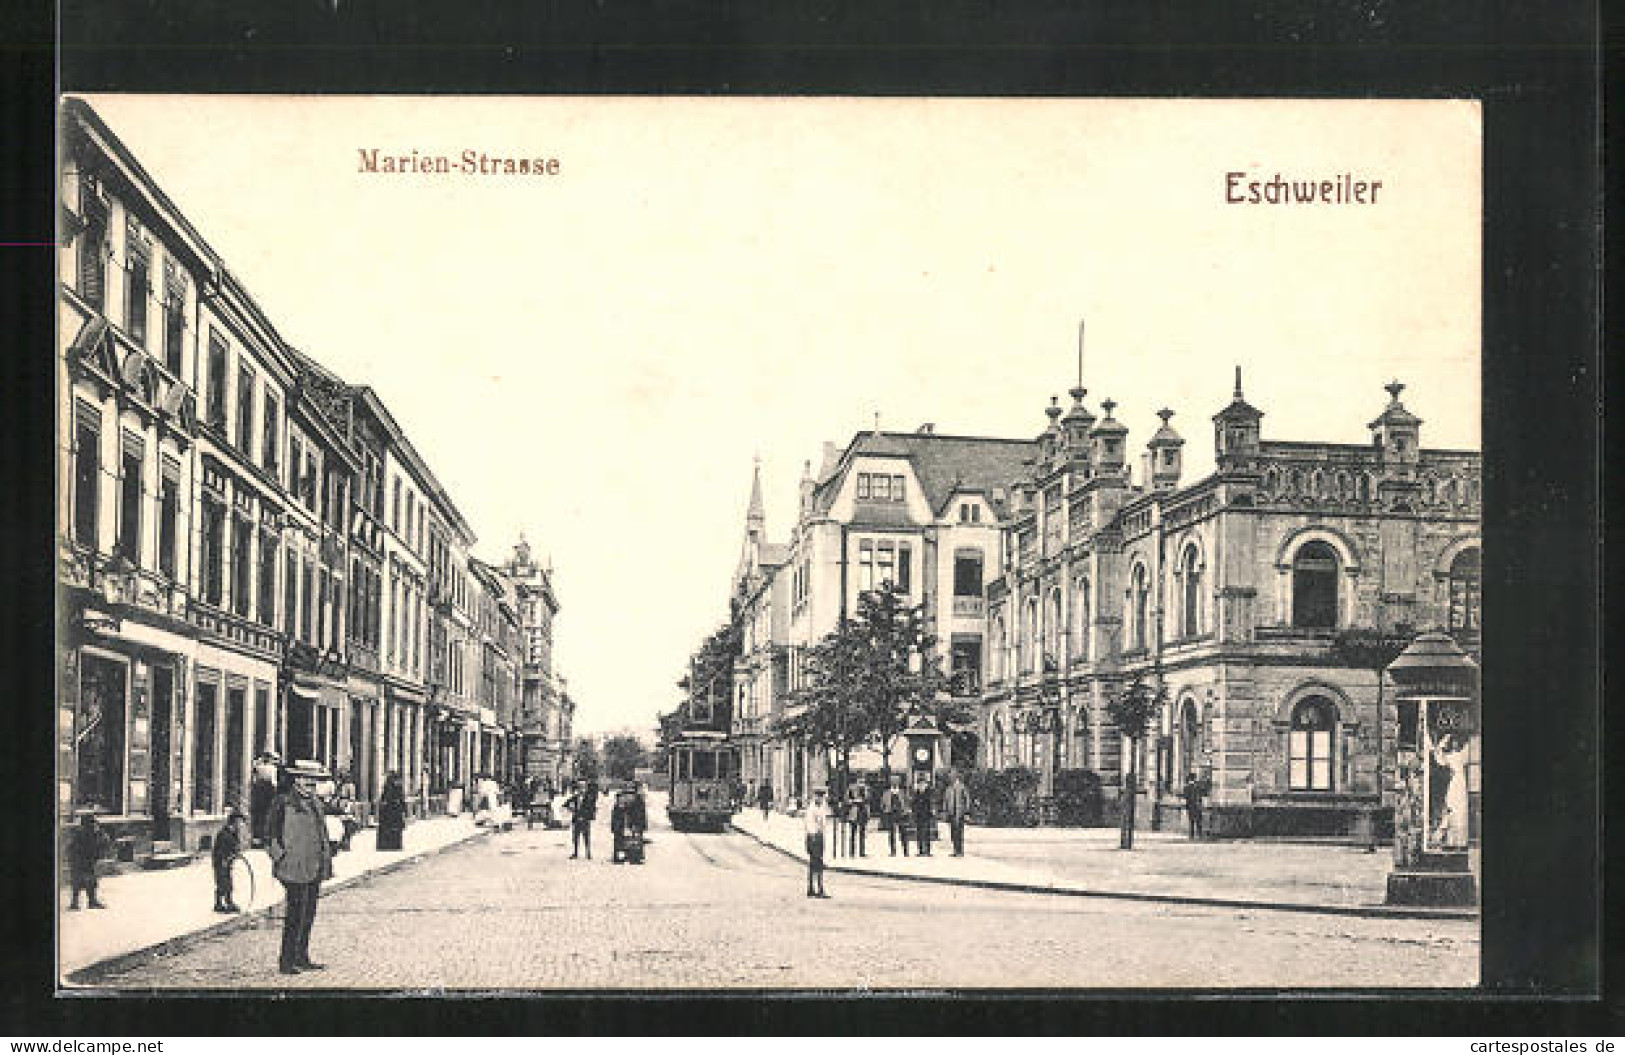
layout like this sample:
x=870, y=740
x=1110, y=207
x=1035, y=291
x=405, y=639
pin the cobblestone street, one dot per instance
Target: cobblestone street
x=512, y=911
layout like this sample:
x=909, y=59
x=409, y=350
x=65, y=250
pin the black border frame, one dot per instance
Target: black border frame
x=1538, y=68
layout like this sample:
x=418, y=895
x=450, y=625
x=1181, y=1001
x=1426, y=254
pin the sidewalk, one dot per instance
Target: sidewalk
x=147, y=909
x=1163, y=866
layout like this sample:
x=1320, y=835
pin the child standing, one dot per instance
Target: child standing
x=227, y=843
x=87, y=844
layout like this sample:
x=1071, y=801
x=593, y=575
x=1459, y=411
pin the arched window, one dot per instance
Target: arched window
x=999, y=644
x=1309, y=745
x=996, y=743
x=1080, y=619
x=1139, y=596
x=1190, y=601
x=1314, y=586
x=1190, y=742
x=1466, y=586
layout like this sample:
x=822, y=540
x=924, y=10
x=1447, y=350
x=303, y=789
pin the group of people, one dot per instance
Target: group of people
x=902, y=813
x=628, y=821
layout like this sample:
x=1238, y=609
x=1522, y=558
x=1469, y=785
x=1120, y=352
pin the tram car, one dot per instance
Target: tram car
x=703, y=771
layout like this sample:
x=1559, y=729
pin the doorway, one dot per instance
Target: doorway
x=163, y=710
x=99, y=738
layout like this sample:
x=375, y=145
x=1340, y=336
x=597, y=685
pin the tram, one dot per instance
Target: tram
x=702, y=772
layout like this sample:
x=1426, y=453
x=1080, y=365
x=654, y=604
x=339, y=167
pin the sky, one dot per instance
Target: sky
x=594, y=358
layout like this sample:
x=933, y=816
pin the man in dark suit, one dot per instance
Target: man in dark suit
x=924, y=822
x=583, y=807
x=301, y=859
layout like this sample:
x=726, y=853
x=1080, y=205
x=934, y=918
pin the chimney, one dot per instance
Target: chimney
x=832, y=456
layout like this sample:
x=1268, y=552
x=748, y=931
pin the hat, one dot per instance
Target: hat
x=306, y=767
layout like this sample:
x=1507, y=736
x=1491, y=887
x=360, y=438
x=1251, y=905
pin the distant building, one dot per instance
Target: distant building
x=542, y=727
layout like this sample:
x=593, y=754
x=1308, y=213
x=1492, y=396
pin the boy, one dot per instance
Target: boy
x=228, y=842
x=87, y=844
x=815, y=819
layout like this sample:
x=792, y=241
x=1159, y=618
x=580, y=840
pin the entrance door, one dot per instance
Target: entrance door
x=301, y=726
x=99, y=738
x=163, y=703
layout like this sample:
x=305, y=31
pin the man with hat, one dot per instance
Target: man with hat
x=296, y=836
x=814, y=819
x=228, y=841
x=87, y=844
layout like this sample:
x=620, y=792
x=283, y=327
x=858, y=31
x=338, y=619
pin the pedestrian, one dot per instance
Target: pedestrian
x=764, y=798
x=391, y=814
x=924, y=822
x=956, y=806
x=87, y=844
x=836, y=846
x=583, y=806
x=228, y=843
x=857, y=819
x=893, y=806
x=261, y=793
x=1195, y=790
x=301, y=860
x=814, y=820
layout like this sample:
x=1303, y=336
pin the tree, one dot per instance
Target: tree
x=586, y=760
x=709, y=684
x=900, y=668
x=1132, y=710
x=622, y=757
x=837, y=715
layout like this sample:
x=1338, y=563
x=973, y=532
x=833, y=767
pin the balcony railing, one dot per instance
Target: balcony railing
x=969, y=607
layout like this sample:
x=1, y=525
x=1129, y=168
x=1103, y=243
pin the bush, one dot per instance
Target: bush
x=1000, y=796
x=1079, y=799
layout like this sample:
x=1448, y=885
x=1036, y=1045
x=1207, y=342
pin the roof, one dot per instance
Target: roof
x=942, y=464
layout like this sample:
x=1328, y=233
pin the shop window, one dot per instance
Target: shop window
x=1310, y=744
x=87, y=456
x=99, y=741
x=236, y=715
x=1314, y=586
x=1466, y=590
x=203, y=746
x=131, y=460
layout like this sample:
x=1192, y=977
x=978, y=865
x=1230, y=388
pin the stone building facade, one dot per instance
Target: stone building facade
x=1239, y=594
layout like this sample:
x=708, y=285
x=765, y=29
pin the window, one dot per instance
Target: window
x=966, y=667
x=967, y=575
x=1027, y=644
x=174, y=320
x=863, y=485
x=241, y=534
x=1052, y=630
x=1466, y=590
x=1080, y=619
x=1314, y=586
x=267, y=591
x=137, y=287
x=1309, y=745
x=169, y=506
x=215, y=394
x=885, y=563
x=130, y=493
x=87, y=457
x=970, y=513
x=306, y=627
x=866, y=565
x=214, y=539
x=245, y=411
x=93, y=244
x=296, y=464
x=1140, y=595
x=321, y=607
x=896, y=488
x=905, y=567
x=290, y=592
x=1190, y=577
x=268, y=452
x=395, y=507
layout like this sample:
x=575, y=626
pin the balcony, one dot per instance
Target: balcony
x=969, y=607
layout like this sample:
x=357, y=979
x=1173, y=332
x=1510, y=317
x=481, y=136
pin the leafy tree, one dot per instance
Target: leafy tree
x=837, y=716
x=708, y=686
x=622, y=756
x=1132, y=710
x=902, y=673
x=586, y=760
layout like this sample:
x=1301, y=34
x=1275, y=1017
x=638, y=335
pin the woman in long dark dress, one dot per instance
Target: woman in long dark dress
x=391, y=813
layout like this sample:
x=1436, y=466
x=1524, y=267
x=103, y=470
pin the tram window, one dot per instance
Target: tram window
x=705, y=765
x=682, y=765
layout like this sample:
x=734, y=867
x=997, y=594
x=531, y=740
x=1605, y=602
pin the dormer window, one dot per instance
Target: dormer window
x=880, y=487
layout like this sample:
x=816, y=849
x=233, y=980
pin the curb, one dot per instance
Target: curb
x=1363, y=911
x=78, y=977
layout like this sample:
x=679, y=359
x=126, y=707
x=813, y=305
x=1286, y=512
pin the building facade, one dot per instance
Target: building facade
x=1239, y=595
x=251, y=554
x=544, y=737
